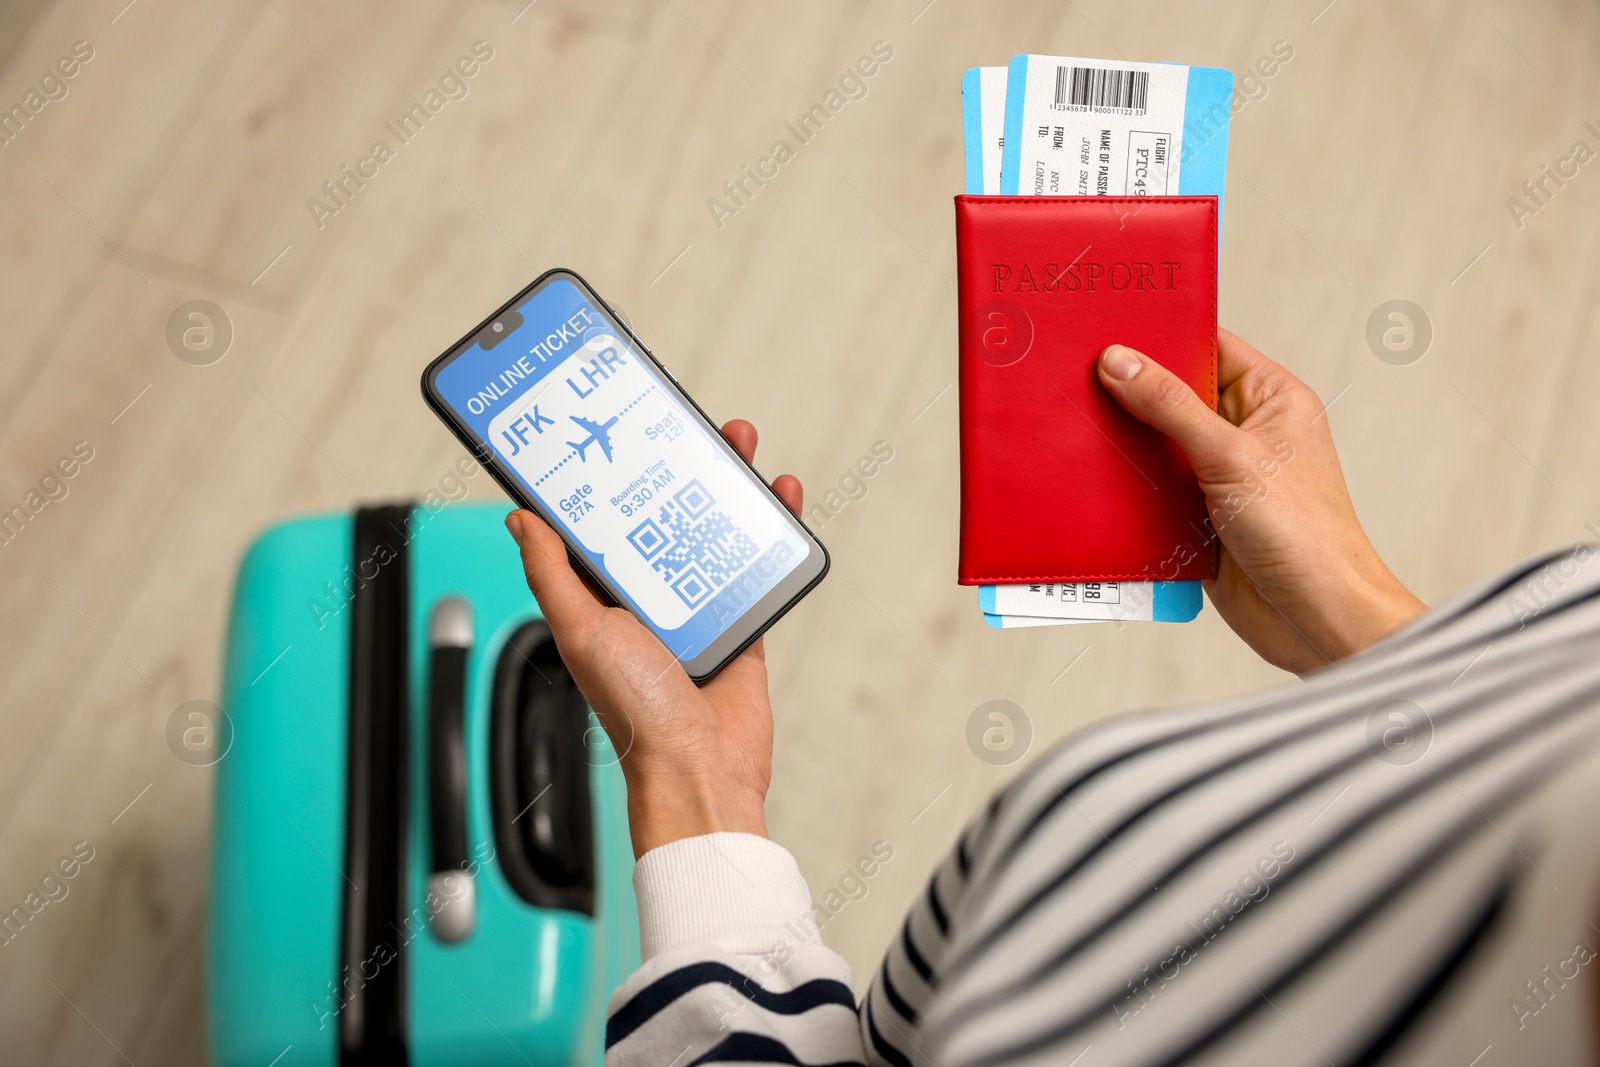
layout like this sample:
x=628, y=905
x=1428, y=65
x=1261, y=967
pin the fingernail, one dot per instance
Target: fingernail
x=1121, y=363
x=514, y=524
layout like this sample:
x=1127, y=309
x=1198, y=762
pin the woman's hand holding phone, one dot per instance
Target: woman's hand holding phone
x=697, y=759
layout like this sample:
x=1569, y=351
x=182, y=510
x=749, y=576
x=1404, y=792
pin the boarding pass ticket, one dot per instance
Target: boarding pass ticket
x=1067, y=126
x=1092, y=128
x=1047, y=603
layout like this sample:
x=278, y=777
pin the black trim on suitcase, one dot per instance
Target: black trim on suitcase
x=373, y=1024
x=447, y=759
x=539, y=775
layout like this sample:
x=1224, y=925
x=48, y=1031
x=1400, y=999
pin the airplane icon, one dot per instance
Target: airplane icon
x=599, y=433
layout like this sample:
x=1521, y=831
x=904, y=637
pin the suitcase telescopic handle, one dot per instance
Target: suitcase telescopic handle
x=450, y=879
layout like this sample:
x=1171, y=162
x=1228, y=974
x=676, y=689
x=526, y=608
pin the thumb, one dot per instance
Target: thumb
x=563, y=598
x=1153, y=394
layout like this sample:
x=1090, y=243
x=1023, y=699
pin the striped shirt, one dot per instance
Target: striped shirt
x=1393, y=861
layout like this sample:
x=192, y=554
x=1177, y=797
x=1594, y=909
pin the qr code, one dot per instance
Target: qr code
x=693, y=544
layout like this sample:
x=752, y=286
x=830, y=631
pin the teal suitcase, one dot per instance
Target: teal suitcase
x=421, y=852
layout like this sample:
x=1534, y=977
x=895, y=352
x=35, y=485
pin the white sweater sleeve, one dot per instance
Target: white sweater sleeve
x=730, y=972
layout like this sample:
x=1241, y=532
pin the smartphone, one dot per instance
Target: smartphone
x=580, y=424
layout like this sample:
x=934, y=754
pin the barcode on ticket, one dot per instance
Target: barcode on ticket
x=1101, y=89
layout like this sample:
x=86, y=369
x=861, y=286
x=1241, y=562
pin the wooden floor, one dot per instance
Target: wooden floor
x=1375, y=164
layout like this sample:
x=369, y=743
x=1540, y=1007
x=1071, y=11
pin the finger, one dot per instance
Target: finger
x=1236, y=357
x=734, y=676
x=787, y=486
x=742, y=436
x=1155, y=395
x=562, y=596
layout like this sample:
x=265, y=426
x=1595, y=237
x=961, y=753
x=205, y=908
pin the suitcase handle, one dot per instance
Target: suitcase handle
x=450, y=879
x=539, y=787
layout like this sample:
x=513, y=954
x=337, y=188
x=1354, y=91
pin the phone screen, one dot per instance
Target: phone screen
x=654, y=499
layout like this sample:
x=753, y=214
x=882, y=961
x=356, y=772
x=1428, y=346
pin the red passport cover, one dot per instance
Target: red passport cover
x=1058, y=482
